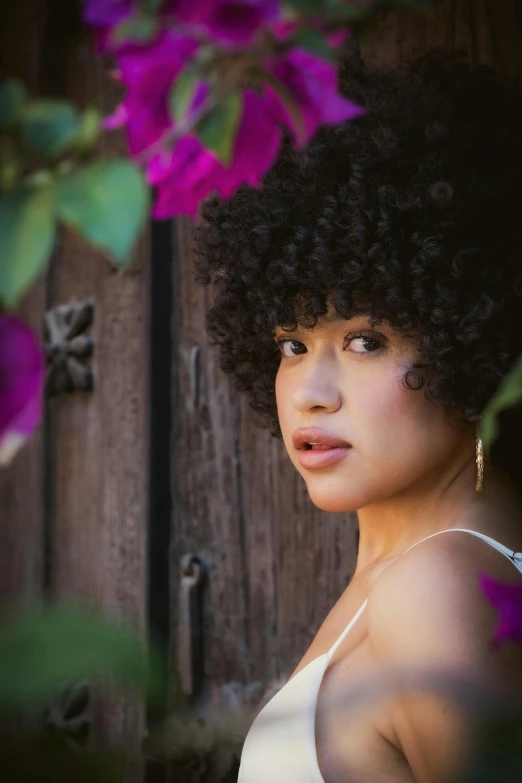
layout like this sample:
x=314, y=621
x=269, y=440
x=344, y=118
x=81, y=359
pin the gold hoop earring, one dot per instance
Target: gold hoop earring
x=480, y=462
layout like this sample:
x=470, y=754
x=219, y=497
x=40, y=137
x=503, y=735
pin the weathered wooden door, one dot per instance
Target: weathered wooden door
x=73, y=504
x=162, y=459
x=275, y=563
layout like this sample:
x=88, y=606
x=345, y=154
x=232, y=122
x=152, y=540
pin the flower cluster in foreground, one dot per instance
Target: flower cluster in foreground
x=209, y=90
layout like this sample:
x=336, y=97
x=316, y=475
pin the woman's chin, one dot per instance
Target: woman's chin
x=328, y=500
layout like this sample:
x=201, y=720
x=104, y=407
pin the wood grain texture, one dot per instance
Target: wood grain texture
x=22, y=507
x=315, y=554
x=99, y=441
x=276, y=564
x=481, y=31
x=207, y=511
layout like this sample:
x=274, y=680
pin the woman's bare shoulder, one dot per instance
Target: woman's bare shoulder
x=428, y=617
x=429, y=604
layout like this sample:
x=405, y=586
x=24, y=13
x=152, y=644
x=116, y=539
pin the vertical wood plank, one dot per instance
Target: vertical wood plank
x=207, y=511
x=316, y=553
x=99, y=440
x=260, y=520
x=22, y=506
x=483, y=31
x=276, y=563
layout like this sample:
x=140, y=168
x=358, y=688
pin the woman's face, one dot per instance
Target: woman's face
x=345, y=379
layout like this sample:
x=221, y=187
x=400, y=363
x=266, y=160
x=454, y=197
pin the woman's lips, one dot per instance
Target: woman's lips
x=317, y=448
x=320, y=458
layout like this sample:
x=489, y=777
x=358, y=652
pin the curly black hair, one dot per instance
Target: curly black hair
x=412, y=211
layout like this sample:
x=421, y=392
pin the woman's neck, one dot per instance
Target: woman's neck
x=389, y=527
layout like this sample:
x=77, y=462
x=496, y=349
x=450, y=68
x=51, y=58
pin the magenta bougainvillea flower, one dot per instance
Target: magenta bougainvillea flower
x=187, y=175
x=300, y=93
x=507, y=598
x=148, y=76
x=106, y=13
x=312, y=82
x=228, y=21
x=22, y=369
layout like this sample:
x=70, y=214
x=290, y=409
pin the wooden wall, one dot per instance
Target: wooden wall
x=276, y=563
x=74, y=502
x=106, y=499
x=22, y=507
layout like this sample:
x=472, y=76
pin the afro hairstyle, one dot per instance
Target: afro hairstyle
x=412, y=211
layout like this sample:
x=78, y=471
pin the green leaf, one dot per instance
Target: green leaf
x=49, y=127
x=140, y=28
x=284, y=94
x=107, y=202
x=152, y=5
x=89, y=131
x=416, y=5
x=43, y=649
x=27, y=232
x=508, y=394
x=315, y=42
x=183, y=92
x=56, y=756
x=331, y=10
x=218, y=130
x=12, y=101
x=350, y=13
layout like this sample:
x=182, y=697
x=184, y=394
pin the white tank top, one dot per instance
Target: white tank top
x=269, y=751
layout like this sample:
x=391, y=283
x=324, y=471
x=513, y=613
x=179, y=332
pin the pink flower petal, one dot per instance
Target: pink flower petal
x=507, y=598
x=149, y=75
x=191, y=172
x=106, y=12
x=117, y=119
x=312, y=82
x=22, y=368
x=234, y=22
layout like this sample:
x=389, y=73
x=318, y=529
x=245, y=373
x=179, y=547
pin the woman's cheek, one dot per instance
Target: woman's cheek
x=284, y=407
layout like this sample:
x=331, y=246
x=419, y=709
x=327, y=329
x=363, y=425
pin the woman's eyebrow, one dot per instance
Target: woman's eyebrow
x=281, y=328
x=355, y=312
x=363, y=314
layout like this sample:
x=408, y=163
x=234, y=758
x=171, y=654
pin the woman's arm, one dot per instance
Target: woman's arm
x=427, y=611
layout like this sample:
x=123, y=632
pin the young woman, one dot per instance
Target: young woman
x=369, y=302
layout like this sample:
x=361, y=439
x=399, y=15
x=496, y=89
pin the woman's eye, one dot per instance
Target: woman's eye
x=358, y=343
x=291, y=347
x=361, y=343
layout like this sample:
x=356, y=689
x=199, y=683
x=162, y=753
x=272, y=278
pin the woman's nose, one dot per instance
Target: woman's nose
x=316, y=391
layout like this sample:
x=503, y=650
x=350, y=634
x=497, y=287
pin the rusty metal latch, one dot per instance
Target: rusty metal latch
x=190, y=637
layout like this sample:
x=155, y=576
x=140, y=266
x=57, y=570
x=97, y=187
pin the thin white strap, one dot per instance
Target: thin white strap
x=515, y=557
x=344, y=634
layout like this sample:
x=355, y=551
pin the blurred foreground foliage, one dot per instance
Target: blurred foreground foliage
x=499, y=757
x=38, y=756
x=43, y=648
x=50, y=650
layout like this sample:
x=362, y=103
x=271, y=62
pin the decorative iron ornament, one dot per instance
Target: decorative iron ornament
x=69, y=715
x=68, y=347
